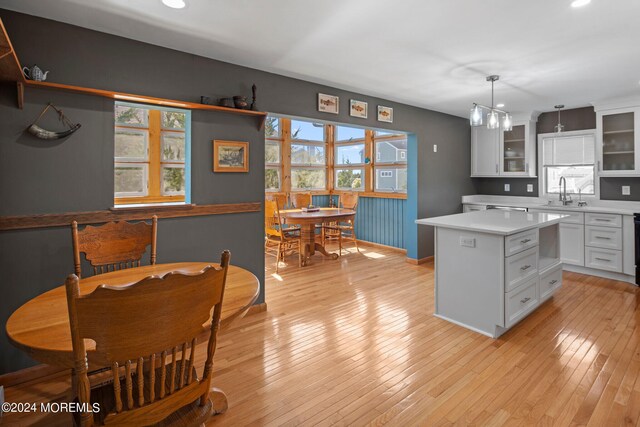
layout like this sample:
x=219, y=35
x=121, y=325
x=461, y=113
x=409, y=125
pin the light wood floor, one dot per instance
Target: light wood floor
x=354, y=342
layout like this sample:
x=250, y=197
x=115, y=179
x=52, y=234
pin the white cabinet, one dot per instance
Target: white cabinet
x=485, y=144
x=472, y=208
x=618, y=143
x=572, y=243
x=496, y=152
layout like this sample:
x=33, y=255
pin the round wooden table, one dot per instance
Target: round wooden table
x=41, y=326
x=308, y=221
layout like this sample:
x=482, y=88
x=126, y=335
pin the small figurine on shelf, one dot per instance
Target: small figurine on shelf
x=253, y=107
x=332, y=204
x=35, y=73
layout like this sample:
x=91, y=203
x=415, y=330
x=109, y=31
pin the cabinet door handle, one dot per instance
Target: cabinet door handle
x=602, y=219
x=522, y=301
x=525, y=267
x=553, y=282
x=603, y=259
x=602, y=237
x=525, y=241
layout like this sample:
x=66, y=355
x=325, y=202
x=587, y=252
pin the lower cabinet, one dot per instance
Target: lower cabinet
x=549, y=282
x=521, y=301
x=572, y=244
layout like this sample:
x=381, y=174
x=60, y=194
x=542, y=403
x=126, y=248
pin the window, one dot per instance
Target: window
x=570, y=156
x=272, y=155
x=150, y=154
x=308, y=157
x=303, y=155
x=391, y=162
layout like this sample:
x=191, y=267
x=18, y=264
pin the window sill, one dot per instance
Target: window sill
x=143, y=206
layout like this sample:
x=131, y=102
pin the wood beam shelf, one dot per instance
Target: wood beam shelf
x=11, y=71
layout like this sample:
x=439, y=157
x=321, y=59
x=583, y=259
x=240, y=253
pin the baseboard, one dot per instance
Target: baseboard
x=420, y=261
x=257, y=308
x=380, y=245
x=600, y=273
x=26, y=375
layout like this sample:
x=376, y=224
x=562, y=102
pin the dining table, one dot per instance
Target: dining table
x=308, y=221
x=41, y=327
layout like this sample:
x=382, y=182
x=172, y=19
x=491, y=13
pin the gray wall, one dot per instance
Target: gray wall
x=574, y=119
x=76, y=174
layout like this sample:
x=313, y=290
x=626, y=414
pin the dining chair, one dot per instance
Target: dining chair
x=281, y=198
x=114, y=245
x=278, y=240
x=300, y=200
x=152, y=324
x=342, y=230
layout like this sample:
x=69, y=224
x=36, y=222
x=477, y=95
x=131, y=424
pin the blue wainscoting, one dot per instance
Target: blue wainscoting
x=378, y=220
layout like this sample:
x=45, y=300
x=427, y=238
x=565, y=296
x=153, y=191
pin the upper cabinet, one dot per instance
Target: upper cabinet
x=496, y=152
x=618, y=141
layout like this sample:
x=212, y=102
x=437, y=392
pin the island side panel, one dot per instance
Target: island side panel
x=469, y=281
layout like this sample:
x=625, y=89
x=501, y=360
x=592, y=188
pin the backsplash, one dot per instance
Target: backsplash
x=574, y=119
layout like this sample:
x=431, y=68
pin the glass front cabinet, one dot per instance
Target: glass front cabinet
x=618, y=145
x=504, y=153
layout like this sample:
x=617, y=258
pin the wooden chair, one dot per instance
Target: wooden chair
x=277, y=239
x=300, y=200
x=281, y=198
x=149, y=323
x=343, y=230
x=114, y=245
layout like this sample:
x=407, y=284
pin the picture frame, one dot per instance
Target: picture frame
x=358, y=109
x=328, y=103
x=230, y=156
x=385, y=114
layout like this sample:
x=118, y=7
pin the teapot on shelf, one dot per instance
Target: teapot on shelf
x=35, y=73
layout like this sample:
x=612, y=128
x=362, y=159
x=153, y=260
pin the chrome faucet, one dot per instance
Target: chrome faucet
x=563, y=197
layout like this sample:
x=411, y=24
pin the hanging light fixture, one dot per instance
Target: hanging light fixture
x=493, y=115
x=559, y=127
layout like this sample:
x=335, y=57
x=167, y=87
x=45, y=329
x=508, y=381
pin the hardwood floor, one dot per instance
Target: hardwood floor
x=354, y=342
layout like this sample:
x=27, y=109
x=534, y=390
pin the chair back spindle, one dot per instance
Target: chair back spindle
x=300, y=200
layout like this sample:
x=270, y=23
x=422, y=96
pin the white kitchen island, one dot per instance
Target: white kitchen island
x=493, y=267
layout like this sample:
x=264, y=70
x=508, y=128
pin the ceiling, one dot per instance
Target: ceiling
x=428, y=53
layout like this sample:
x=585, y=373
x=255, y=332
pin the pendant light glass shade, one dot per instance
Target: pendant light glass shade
x=492, y=120
x=507, y=123
x=475, y=118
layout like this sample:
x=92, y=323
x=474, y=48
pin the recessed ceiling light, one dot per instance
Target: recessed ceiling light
x=174, y=4
x=500, y=105
x=580, y=3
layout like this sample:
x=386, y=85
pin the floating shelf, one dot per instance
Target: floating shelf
x=613, y=132
x=11, y=71
x=618, y=152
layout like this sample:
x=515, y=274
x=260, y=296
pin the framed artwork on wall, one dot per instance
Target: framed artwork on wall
x=385, y=114
x=230, y=156
x=328, y=103
x=358, y=109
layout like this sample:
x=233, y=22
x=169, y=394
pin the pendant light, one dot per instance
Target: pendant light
x=493, y=116
x=559, y=127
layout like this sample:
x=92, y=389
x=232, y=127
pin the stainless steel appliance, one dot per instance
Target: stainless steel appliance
x=507, y=208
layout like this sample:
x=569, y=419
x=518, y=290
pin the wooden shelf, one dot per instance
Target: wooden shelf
x=11, y=71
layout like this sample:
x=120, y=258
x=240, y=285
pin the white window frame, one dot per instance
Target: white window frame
x=279, y=172
x=142, y=132
x=167, y=166
x=338, y=168
x=542, y=176
x=145, y=179
x=322, y=168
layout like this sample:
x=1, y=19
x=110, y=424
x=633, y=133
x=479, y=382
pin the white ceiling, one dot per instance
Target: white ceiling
x=429, y=53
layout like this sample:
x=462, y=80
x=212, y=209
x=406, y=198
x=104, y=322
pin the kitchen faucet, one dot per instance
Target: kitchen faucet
x=563, y=197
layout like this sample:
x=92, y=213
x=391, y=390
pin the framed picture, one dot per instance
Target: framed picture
x=328, y=103
x=385, y=114
x=230, y=156
x=358, y=109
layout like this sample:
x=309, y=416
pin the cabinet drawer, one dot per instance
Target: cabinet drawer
x=521, y=241
x=520, y=268
x=603, y=259
x=603, y=237
x=603, y=219
x=520, y=302
x=549, y=282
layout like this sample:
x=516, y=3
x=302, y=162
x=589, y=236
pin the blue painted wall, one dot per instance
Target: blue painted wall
x=377, y=220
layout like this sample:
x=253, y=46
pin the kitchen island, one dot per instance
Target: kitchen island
x=493, y=268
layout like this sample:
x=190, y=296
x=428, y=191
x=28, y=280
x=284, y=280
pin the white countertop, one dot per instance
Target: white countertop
x=601, y=206
x=494, y=221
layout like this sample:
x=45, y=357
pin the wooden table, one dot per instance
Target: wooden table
x=41, y=326
x=308, y=221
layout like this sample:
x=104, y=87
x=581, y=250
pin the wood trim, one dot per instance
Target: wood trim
x=10, y=69
x=285, y=154
x=368, y=153
x=23, y=222
x=147, y=199
x=380, y=245
x=38, y=372
x=153, y=178
x=329, y=137
x=257, y=308
x=419, y=261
